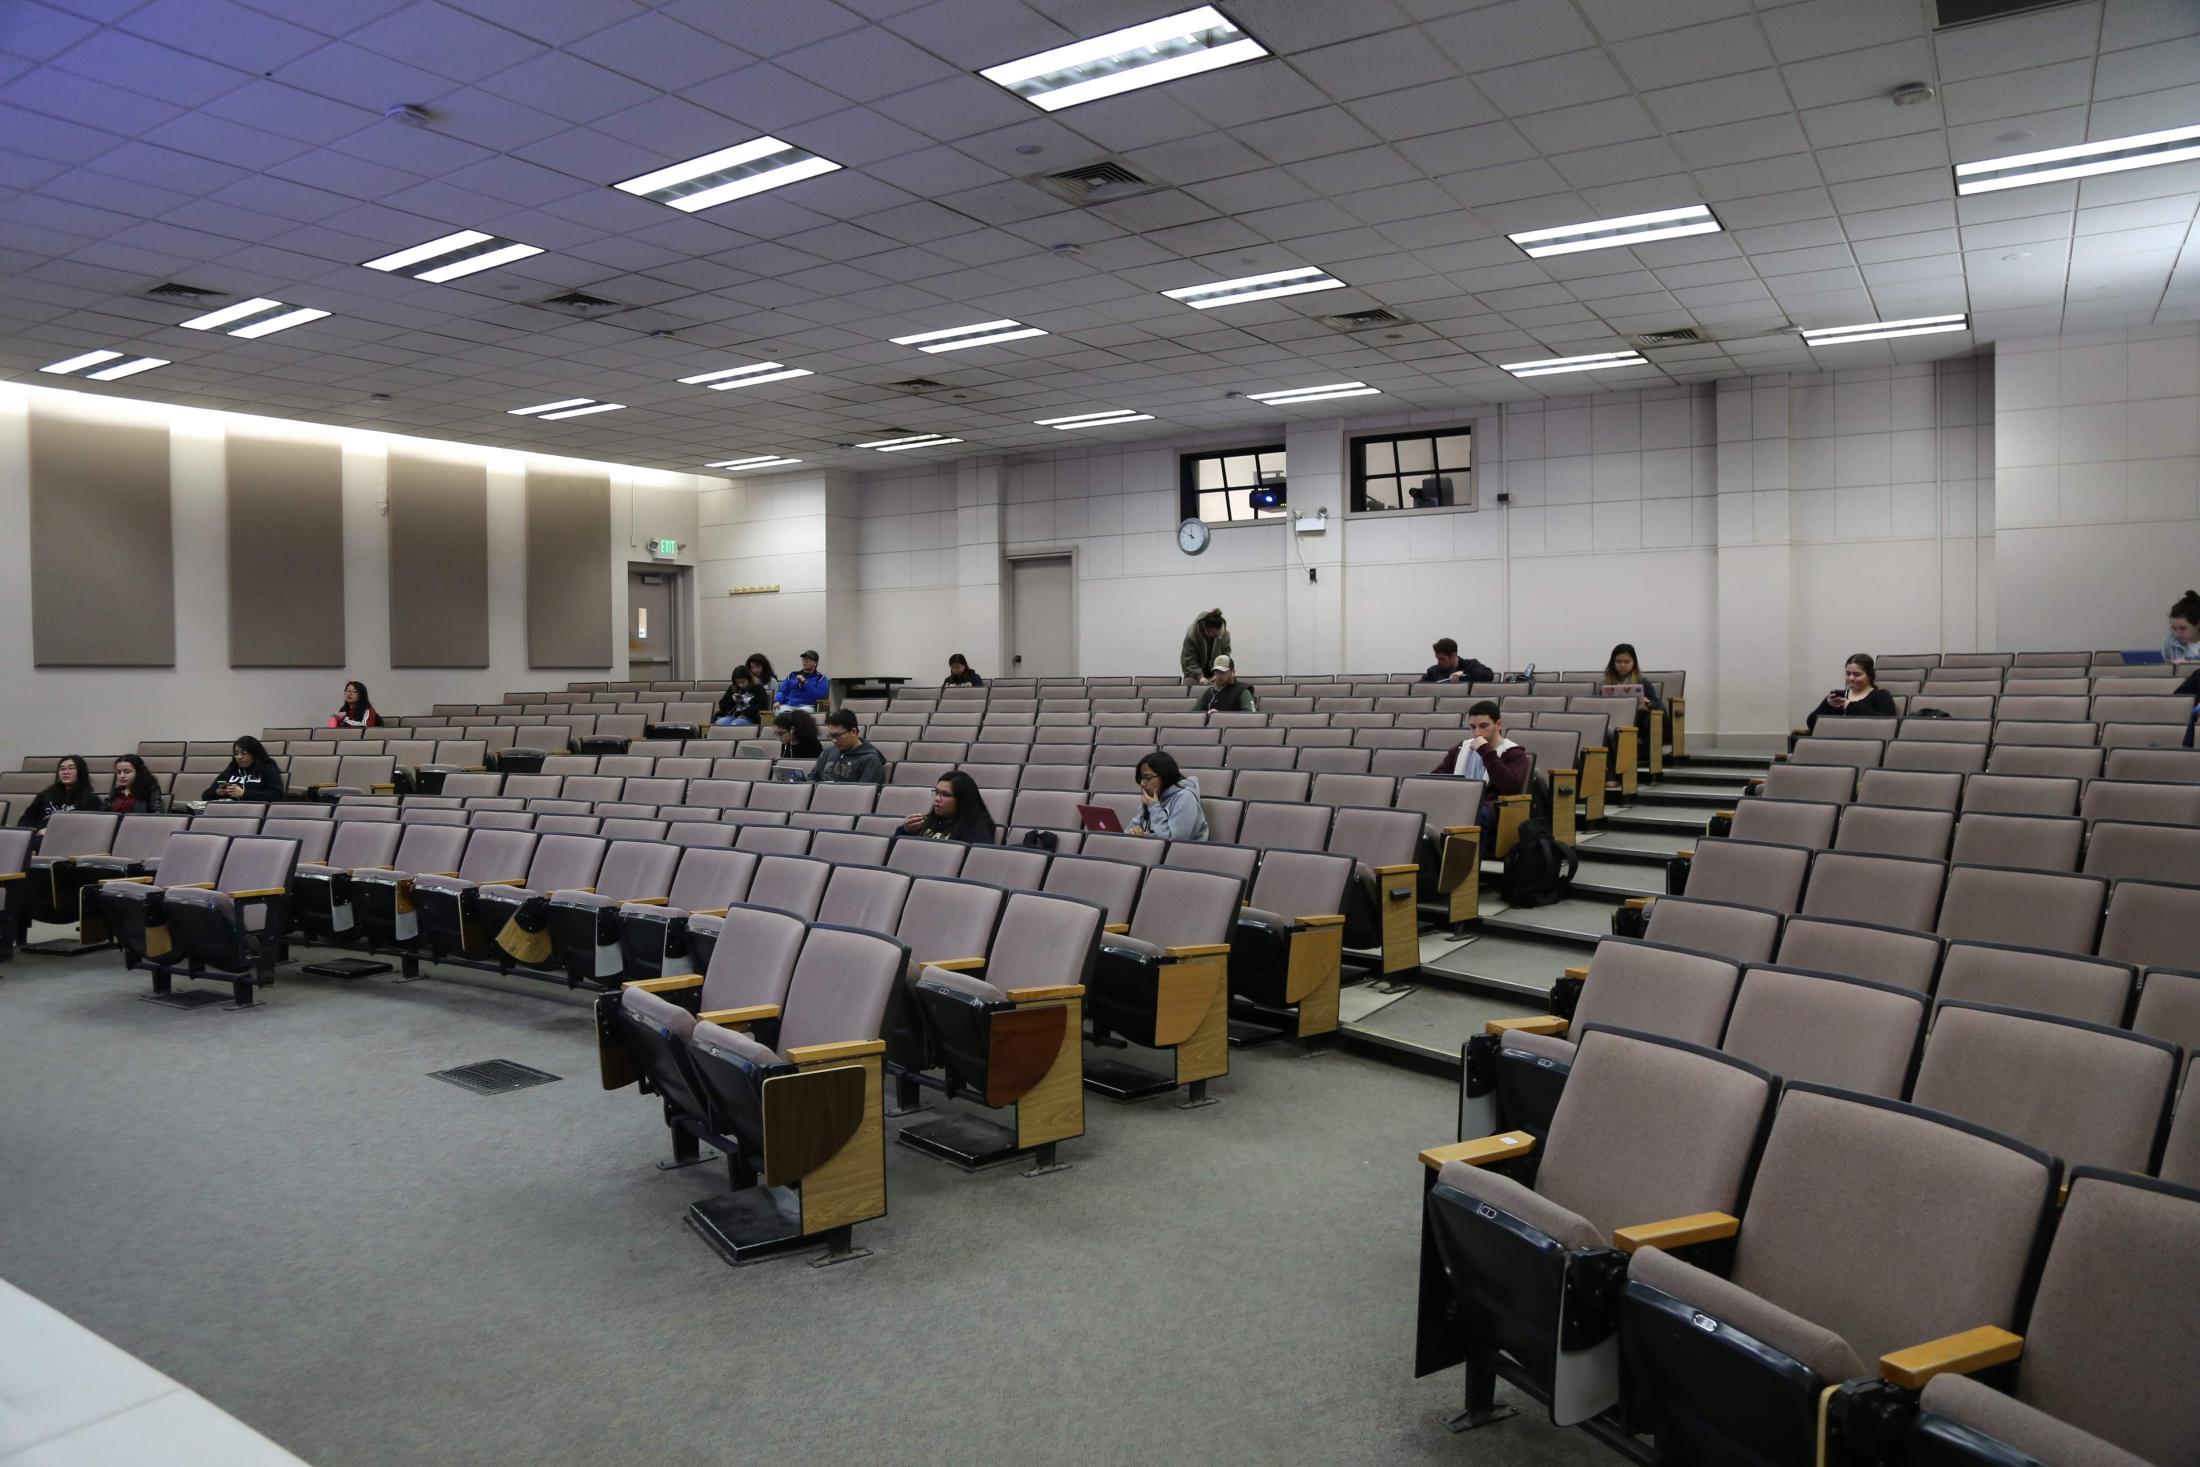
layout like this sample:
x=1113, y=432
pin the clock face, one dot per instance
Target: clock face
x=1191, y=536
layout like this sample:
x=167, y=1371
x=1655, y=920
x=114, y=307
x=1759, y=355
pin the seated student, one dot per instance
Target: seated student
x=1226, y=694
x=852, y=759
x=71, y=790
x=251, y=775
x=959, y=674
x=958, y=813
x=761, y=673
x=1171, y=808
x=2183, y=642
x=1623, y=668
x=136, y=791
x=1860, y=698
x=1450, y=667
x=808, y=688
x=1487, y=755
x=744, y=702
x=357, y=710
x=1207, y=638
x=797, y=734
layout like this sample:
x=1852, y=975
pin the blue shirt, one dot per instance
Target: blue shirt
x=805, y=690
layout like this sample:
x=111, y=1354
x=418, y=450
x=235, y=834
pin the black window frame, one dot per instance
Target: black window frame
x=1463, y=497
x=1188, y=490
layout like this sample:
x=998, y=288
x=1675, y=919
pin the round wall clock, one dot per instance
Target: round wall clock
x=1192, y=536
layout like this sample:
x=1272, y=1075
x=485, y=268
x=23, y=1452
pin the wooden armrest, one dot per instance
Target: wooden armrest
x=260, y=893
x=1037, y=995
x=501, y=881
x=708, y=912
x=1550, y=1024
x=1676, y=1232
x=1638, y=902
x=666, y=985
x=1969, y=1350
x=383, y=789
x=814, y=1054
x=1569, y=773
x=188, y=885
x=754, y=1013
x=123, y=880
x=632, y=901
x=1686, y=855
x=956, y=965
x=1481, y=1151
x=1503, y=800
x=1802, y=733
x=1119, y=928
x=1200, y=950
x=1462, y=830
x=1577, y=972
x=11, y=875
x=1333, y=919
x=1399, y=870
x=1722, y=814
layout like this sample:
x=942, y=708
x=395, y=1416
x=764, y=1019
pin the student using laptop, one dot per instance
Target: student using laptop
x=1623, y=675
x=1171, y=807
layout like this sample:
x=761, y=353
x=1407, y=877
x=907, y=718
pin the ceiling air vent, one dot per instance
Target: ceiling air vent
x=1963, y=12
x=189, y=294
x=1678, y=336
x=579, y=303
x=1363, y=320
x=916, y=386
x=1097, y=183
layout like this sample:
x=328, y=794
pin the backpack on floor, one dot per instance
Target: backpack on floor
x=1540, y=869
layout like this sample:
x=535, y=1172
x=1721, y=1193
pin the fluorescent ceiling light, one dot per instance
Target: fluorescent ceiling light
x=1597, y=362
x=749, y=376
x=762, y=461
x=548, y=407
x=927, y=443
x=1290, y=395
x=77, y=364
x=228, y=314
x=955, y=338
x=127, y=369
x=2052, y=165
x=1605, y=234
x=274, y=324
x=1882, y=330
x=459, y=254
x=581, y=412
x=919, y=440
x=728, y=174
x=1107, y=419
x=1255, y=288
x=1121, y=61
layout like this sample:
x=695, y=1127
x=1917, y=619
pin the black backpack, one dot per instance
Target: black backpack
x=1540, y=869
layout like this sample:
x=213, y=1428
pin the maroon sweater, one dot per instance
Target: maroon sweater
x=1508, y=772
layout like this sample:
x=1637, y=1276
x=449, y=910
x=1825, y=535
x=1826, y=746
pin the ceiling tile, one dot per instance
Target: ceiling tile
x=864, y=65
x=1507, y=34
x=1559, y=81
x=447, y=42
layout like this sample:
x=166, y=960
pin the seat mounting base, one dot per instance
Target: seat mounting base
x=973, y=1143
x=760, y=1222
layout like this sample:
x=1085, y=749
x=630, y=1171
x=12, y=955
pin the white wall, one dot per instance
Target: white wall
x=793, y=531
x=2097, y=486
x=48, y=710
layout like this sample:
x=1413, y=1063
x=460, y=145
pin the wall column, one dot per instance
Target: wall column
x=1755, y=629
x=1314, y=610
x=979, y=603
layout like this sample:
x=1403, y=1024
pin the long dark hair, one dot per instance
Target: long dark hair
x=2187, y=607
x=351, y=710
x=1611, y=664
x=143, y=786
x=255, y=748
x=1164, y=767
x=768, y=675
x=59, y=794
x=1864, y=660
x=803, y=732
x=973, y=821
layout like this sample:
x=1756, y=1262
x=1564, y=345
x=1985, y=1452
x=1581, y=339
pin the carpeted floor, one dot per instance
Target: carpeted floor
x=372, y=1267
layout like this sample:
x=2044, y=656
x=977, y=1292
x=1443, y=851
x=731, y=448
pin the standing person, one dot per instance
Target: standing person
x=958, y=813
x=852, y=759
x=1226, y=694
x=1859, y=697
x=357, y=710
x=808, y=688
x=71, y=790
x=959, y=674
x=1450, y=667
x=1487, y=755
x=1207, y=638
x=251, y=775
x=798, y=737
x=744, y=703
x=2183, y=642
x=136, y=791
x=1171, y=808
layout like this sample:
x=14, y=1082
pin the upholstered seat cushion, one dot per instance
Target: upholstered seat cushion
x=1542, y=1046
x=1823, y=1352
x=968, y=984
x=1134, y=947
x=1563, y=1226
x=716, y=1039
x=2008, y=1420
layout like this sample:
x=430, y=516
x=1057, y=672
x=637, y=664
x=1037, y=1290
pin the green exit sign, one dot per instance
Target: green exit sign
x=665, y=549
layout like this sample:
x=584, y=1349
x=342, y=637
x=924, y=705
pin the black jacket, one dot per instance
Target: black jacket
x=1236, y=698
x=1878, y=703
x=750, y=702
x=860, y=765
x=968, y=680
x=48, y=804
x=979, y=832
x=261, y=781
x=151, y=802
x=1476, y=672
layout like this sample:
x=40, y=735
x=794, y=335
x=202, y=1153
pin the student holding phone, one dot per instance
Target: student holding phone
x=1859, y=697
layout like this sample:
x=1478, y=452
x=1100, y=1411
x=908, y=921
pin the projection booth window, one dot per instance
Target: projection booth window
x=1222, y=488
x=1414, y=471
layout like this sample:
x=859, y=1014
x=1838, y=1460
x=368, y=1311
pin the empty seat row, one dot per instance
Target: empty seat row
x=2165, y=849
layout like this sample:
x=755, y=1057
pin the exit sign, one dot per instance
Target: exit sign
x=664, y=549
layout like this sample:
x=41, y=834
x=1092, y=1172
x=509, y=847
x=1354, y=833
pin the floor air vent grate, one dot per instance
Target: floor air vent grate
x=493, y=1077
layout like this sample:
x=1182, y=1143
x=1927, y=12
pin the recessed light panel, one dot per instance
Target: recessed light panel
x=1093, y=420
x=1121, y=61
x=2052, y=165
x=761, y=461
x=1608, y=234
x=280, y=321
x=78, y=363
x=126, y=369
x=464, y=253
x=68, y=366
x=1255, y=288
x=567, y=407
x=728, y=174
x=727, y=378
x=955, y=338
x=901, y=445
x=1291, y=395
x=1882, y=330
x=1596, y=362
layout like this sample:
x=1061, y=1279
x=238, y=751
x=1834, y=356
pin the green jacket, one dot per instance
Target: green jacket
x=1197, y=658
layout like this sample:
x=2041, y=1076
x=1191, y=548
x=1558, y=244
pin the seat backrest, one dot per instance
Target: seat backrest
x=2171, y=853
x=1853, y=753
x=866, y=897
x=499, y=855
x=1942, y=1219
x=1269, y=824
x=1181, y=908
x=2035, y=842
x=1658, y=990
x=1754, y=873
x=1893, y=891
x=1917, y=789
x=2137, y=800
x=1374, y=838
x=2096, y=990
x=2020, y=794
x=1230, y=860
x=192, y=858
x=1114, y=885
x=139, y=836
x=253, y=863
x=633, y=869
x=424, y=848
x=1728, y=930
x=772, y=840
x=357, y=843
x=565, y=824
x=1300, y=883
x=1836, y=783
x=1850, y=949
x=1286, y=785
x=2159, y=766
x=2043, y=909
x=312, y=836
x=1786, y=822
x=79, y=833
x=2089, y=1094
x=2151, y=923
x=754, y=958
x=2055, y=761
x=1881, y=729
x=1888, y=830
x=790, y=883
x=1047, y=809
x=844, y=982
x=2169, y=1008
x=711, y=879
x=1827, y=1029
x=1008, y=866
x=1609, y=1156
x=465, y=785
x=944, y=919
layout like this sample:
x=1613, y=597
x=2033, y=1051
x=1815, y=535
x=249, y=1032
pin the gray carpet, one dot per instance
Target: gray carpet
x=278, y=1209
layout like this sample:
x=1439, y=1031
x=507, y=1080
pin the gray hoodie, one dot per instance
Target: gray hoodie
x=1177, y=815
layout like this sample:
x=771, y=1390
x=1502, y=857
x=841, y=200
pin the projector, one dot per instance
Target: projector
x=1267, y=496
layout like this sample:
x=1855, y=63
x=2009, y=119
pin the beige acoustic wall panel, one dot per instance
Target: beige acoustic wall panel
x=439, y=562
x=103, y=568
x=568, y=570
x=286, y=552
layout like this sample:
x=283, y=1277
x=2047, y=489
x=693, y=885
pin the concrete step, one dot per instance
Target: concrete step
x=1433, y=1020
x=1703, y=797
x=1517, y=965
x=1581, y=922
x=1675, y=821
